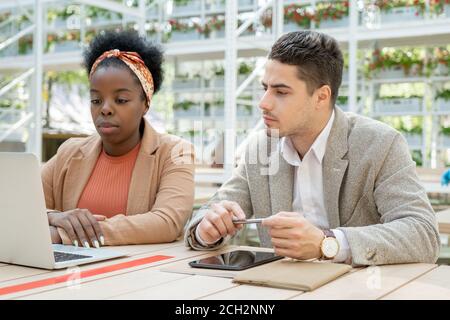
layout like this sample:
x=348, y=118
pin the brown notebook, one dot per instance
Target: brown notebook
x=292, y=274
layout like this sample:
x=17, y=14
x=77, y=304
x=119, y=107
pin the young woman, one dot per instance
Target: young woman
x=127, y=184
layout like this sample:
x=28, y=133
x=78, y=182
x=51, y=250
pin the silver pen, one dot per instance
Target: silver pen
x=247, y=221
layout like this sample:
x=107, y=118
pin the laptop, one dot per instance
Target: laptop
x=24, y=230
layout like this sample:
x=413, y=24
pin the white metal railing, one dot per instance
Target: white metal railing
x=10, y=128
x=252, y=19
x=114, y=6
x=16, y=81
x=17, y=36
x=18, y=124
x=13, y=119
x=8, y=21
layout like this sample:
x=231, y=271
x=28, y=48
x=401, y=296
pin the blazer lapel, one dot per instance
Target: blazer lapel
x=281, y=186
x=79, y=172
x=281, y=183
x=335, y=166
x=139, y=192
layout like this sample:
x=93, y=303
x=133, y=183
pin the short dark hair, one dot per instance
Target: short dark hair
x=151, y=53
x=317, y=56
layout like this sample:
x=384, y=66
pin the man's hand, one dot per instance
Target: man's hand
x=79, y=224
x=293, y=236
x=217, y=222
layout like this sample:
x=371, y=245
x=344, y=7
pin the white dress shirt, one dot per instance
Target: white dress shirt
x=308, y=187
x=308, y=198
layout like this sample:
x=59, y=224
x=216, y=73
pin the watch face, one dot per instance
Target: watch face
x=330, y=247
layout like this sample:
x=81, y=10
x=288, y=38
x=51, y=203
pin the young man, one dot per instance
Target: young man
x=337, y=186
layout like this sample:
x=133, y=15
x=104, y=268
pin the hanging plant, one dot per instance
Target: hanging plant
x=342, y=100
x=89, y=36
x=245, y=68
x=185, y=105
x=25, y=44
x=302, y=15
x=181, y=2
x=266, y=19
x=219, y=71
x=415, y=129
x=51, y=16
x=330, y=11
x=69, y=36
x=215, y=23
x=12, y=104
x=443, y=56
x=399, y=97
x=445, y=131
x=396, y=59
x=444, y=94
x=387, y=6
x=417, y=157
x=176, y=25
x=4, y=16
x=437, y=6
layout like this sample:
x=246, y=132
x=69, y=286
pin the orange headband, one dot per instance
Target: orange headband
x=135, y=63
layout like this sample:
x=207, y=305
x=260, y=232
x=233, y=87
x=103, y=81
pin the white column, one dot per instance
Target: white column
x=353, y=58
x=230, y=86
x=34, y=143
x=143, y=12
x=277, y=18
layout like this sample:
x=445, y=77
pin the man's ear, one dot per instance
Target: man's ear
x=323, y=96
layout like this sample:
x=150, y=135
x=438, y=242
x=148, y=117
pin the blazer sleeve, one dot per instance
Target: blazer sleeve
x=47, y=171
x=408, y=230
x=235, y=189
x=170, y=212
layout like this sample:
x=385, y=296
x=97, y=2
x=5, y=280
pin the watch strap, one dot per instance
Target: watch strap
x=329, y=233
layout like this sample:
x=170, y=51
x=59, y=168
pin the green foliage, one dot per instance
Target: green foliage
x=12, y=103
x=445, y=131
x=331, y=11
x=444, y=94
x=68, y=78
x=414, y=130
x=219, y=70
x=397, y=59
x=391, y=4
x=184, y=105
x=342, y=100
x=417, y=157
x=245, y=68
x=181, y=2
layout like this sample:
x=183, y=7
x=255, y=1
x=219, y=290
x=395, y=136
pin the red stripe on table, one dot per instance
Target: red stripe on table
x=82, y=275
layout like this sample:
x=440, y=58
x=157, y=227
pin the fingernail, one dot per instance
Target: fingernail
x=75, y=243
x=102, y=240
x=96, y=244
x=86, y=244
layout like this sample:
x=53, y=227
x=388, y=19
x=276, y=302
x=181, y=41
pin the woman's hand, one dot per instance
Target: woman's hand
x=54, y=234
x=79, y=224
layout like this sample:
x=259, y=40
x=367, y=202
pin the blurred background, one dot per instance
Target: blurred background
x=397, y=70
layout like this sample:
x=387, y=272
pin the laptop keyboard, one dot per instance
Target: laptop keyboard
x=63, y=256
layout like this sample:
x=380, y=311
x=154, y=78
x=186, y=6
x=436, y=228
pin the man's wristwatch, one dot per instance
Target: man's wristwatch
x=329, y=246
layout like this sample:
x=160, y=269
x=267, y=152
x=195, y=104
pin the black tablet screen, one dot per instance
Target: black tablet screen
x=235, y=260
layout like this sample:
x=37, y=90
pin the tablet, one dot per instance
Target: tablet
x=235, y=260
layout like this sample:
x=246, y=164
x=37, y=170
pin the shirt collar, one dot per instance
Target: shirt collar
x=319, y=146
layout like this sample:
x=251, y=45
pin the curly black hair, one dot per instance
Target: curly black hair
x=150, y=52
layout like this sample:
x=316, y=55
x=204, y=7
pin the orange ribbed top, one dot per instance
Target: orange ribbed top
x=106, y=192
